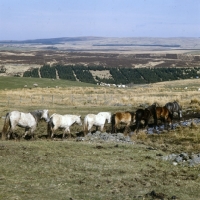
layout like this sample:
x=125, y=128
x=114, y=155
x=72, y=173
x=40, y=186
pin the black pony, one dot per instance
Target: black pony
x=174, y=107
x=145, y=114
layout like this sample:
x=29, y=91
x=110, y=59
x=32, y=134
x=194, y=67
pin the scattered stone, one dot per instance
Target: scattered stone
x=183, y=159
x=174, y=163
x=106, y=137
x=35, y=85
x=192, y=123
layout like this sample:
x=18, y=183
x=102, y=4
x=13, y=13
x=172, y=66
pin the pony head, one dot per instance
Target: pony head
x=78, y=121
x=45, y=115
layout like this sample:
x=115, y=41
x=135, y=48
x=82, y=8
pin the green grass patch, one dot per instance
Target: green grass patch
x=20, y=82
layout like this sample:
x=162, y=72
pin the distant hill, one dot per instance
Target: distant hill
x=49, y=40
x=93, y=60
x=102, y=42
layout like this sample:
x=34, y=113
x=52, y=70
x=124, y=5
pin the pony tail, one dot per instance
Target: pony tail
x=85, y=126
x=136, y=115
x=5, y=126
x=49, y=128
x=133, y=116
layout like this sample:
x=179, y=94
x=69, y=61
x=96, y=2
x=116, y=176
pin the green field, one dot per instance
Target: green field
x=20, y=82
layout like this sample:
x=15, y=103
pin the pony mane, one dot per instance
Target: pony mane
x=37, y=114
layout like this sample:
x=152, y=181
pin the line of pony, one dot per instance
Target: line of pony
x=30, y=120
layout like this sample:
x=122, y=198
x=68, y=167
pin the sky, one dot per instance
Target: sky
x=39, y=19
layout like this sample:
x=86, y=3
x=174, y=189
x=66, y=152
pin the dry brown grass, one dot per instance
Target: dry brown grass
x=159, y=92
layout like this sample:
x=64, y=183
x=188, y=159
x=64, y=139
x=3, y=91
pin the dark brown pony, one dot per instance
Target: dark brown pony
x=164, y=115
x=122, y=117
x=145, y=114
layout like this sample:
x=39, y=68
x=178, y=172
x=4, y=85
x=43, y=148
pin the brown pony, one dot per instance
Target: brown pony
x=125, y=117
x=164, y=115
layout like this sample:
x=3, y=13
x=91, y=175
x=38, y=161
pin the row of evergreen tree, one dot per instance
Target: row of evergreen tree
x=119, y=75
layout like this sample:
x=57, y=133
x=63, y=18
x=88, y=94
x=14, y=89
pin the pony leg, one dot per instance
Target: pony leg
x=65, y=131
x=137, y=126
x=146, y=123
x=179, y=115
x=10, y=131
x=172, y=115
x=155, y=121
x=102, y=128
x=32, y=131
x=116, y=126
x=63, y=136
x=69, y=132
x=49, y=129
x=90, y=127
x=13, y=124
x=171, y=119
x=49, y=134
x=85, y=132
x=4, y=133
x=52, y=134
x=164, y=122
x=53, y=129
x=127, y=127
x=26, y=132
x=113, y=128
x=171, y=124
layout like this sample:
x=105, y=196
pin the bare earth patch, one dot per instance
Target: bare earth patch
x=13, y=69
x=101, y=74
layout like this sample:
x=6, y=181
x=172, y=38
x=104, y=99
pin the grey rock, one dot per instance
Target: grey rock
x=178, y=159
x=172, y=156
x=184, y=156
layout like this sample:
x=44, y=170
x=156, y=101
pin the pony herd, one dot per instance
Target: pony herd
x=30, y=120
x=165, y=114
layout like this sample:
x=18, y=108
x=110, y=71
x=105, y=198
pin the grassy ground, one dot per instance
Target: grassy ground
x=46, y=169
x=73, y=170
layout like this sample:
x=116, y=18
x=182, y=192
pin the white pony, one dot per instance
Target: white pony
x=62, y=122
x=28, y=121
x=96, y=120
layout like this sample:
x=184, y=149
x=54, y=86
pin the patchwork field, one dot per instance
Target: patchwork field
x=94, y=51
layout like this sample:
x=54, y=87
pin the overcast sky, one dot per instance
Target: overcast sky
x=36, y=19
